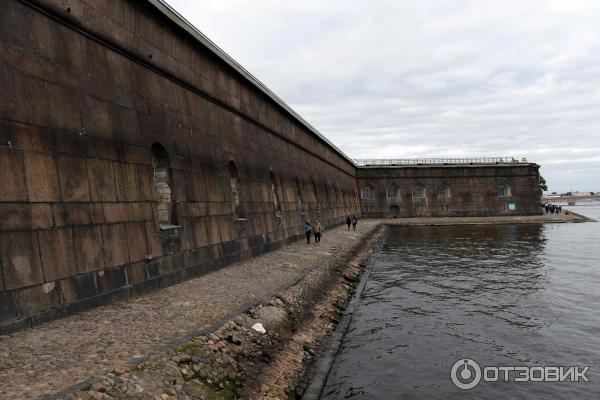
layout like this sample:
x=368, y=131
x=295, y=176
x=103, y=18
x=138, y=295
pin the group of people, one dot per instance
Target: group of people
x=316, y=229
x=352, y=221
x=552, y=208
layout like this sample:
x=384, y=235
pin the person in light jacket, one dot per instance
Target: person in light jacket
x=317, y=228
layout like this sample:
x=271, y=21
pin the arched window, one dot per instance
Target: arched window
x=418, y=192
x=236, y=195
x=443, y=191
x=392, y=192
x=161, y=167
x=368, y=192
x=275, y=192
x=394, y=210
x=504, y=190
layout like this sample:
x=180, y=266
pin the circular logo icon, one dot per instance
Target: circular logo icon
x=465, y=373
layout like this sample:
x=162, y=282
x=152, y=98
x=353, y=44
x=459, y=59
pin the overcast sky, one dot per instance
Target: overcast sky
x=451, y=78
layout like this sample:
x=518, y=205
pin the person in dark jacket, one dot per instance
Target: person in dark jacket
x=348, y=221
x=308, y=229
x=354, y=222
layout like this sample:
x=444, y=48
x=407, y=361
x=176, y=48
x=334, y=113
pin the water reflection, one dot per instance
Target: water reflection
x=501, y=294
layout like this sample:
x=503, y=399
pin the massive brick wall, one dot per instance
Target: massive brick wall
x=88, y=88
x=470, y=190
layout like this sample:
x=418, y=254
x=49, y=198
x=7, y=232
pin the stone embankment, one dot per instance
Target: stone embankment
x=565, y=216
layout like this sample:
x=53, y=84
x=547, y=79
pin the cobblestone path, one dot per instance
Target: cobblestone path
x=61, y=353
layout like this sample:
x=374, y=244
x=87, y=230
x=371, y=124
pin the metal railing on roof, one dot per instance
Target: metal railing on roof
x=439, y=161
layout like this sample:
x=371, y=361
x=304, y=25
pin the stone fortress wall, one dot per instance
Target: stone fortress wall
x=134, y=154
x=459, y=190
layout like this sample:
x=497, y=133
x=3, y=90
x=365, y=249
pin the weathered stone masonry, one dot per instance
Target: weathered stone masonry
x=115, y=122
x=134, y=154
x=449, y=190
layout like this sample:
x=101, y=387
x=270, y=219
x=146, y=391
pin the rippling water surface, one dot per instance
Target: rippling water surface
x=501, y=295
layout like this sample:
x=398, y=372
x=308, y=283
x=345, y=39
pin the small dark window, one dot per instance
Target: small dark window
x=368, y=192
x=392, y=192
x=418, y=192
x=504, y=190
x=443, y=191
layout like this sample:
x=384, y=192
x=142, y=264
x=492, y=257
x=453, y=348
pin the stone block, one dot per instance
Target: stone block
x=9, y=306
x=8, y=88
x=64, y=108
x=28, y=138
x=142, y=211
x=42, y=177
x=136, y=273
x=98, y=213
x=22, y=216
x=12, y=179
x=200, y=232
x=58, y=256
x=127, y=126
x=102, y=180
x=20, y=259
x=15, y=24
x=111, y=279
x=145, y=174
x=117, y=212
x=227, y=228
x=128, y=183
x=214, y=230
x=115, y=245
x=36, y=299
x=67, y=214
x=97, y=117
x=78, y=287
x=41, y=216
x=31, y=105
x=155, y=242
x=136, y=241
x=45, y=38
x=88, y=246
x=73, y=179
x=137, y=155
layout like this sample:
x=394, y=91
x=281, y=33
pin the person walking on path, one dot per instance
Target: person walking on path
x=348, y=221
x=308, y=229
x=317, y=228
x=354, y=222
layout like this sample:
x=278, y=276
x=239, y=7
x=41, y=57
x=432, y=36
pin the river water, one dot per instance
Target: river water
x=501, y=295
